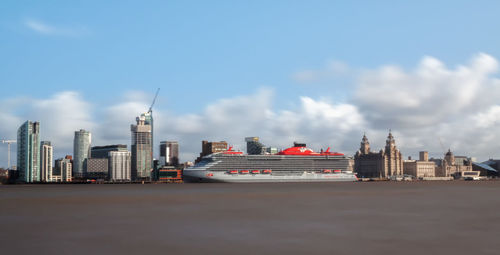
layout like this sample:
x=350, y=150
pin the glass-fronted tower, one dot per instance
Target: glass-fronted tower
x=142, y=147
x=81, y=151
x=169, y=153
x=28, y=151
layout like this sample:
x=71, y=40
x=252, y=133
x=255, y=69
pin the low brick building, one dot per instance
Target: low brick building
x=420, y=168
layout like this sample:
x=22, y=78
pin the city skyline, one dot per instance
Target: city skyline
x=162, y=160
x=323, y=73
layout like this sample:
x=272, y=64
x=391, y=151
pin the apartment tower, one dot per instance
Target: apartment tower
x=28, y=152
x=46, y=167
x=81, y=151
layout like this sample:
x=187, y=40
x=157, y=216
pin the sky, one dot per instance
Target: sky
x=320, y=72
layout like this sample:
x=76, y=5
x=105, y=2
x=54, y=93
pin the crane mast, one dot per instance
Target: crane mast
x=154, y=100
x=150, y=111
x=8, y=142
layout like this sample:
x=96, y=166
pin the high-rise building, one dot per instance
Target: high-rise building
x=119, y=166
x=383, y=164
x=254, y=147
x=169, y=153
x=46, y=151
x=28, y=152
x=81, y=151
x=142, y=147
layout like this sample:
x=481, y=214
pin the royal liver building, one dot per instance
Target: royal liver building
x=383, y=164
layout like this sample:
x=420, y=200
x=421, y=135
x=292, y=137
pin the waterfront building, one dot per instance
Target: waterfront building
x=494, y=164
x=119, y=166
x=383, y=164
x=28, y=152
x=484, y=169
x=103, y=151
x=63, y=170
x=208, y=148
x=254, y=147
x=169, y=153
x=117, y=163
x=455, y=166
x=169, y=174
x=81, y=151
x=46, y=151
x=142, y=147
x=97, y=168
x=420, y=168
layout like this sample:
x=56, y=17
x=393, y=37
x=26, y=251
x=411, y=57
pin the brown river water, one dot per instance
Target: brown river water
x=286, y=218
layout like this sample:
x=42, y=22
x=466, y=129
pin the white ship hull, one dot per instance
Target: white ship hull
x=208, y=176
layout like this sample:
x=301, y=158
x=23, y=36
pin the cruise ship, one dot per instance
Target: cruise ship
x=295, y=164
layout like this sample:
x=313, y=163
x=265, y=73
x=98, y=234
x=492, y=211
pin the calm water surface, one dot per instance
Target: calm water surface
x=303, y=218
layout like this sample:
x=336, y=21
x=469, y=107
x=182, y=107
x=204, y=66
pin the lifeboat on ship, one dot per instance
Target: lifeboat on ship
x=327, y=171
x=232, y=171
x=267, y=171
x=244, y=172
x=255, y=172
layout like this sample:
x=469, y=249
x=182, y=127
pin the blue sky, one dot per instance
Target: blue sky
x=201, y=53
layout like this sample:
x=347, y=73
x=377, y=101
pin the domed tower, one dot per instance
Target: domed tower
x=365, y=145
x=450, y=158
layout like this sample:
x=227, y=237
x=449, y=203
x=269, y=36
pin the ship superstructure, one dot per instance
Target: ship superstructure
x=295, y=164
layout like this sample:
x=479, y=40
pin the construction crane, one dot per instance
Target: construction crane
x=8, y=142
x=442, y=147
x=150, y=111
x=154, y=100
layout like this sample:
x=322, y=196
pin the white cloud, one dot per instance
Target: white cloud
x=459, y=106
x=428, y=95
x=319, y=123
x=434, y=102
x=46, y=29
x=59, y=116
